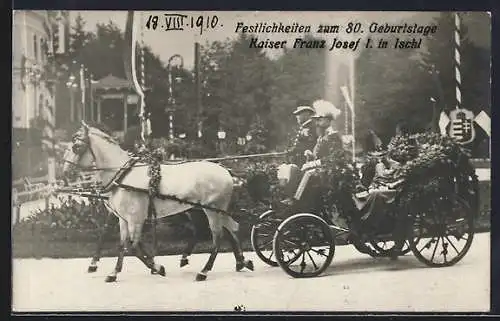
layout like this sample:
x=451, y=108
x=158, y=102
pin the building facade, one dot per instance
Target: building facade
x=30, y=38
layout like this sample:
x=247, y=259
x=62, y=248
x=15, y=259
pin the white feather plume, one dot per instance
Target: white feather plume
x=326, y=108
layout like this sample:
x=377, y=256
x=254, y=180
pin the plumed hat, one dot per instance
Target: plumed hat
x=325, y=108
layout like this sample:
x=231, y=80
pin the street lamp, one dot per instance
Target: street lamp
x=71, y=85
x=221, y=134
x=178, y=62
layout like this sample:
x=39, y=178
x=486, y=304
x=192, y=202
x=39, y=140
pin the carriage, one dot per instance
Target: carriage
x=418, y=217
x=437, y=230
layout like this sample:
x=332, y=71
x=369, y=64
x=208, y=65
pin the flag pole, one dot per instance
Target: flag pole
x=353, y=114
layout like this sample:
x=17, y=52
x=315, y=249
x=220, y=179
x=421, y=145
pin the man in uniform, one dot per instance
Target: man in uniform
x=328, y=141
x=306, y=136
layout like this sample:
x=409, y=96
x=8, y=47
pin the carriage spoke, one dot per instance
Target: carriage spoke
x=435, y=248
x=303, y=263
x=427, y=245
x=270, y=255
x=314, y=263
x=451, y=243
x=320, y=252
x=262, y=246
x=444, y=252
x=295, y=258
x=291, y=243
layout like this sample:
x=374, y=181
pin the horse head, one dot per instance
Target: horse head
x=78, y=154
x=82, y=152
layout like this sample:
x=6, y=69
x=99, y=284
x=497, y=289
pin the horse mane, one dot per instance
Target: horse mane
x=102, y=127
x=106, y=133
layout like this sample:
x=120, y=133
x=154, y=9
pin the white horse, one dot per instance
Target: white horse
x=204, y=183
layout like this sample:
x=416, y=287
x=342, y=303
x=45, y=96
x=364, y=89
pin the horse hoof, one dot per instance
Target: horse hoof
x=110, y=278
x=239, y=266
x=201, y=277
x=184, y=262
x=162, y=271
x=153, y=272
x=249, y=265
x=92, y=269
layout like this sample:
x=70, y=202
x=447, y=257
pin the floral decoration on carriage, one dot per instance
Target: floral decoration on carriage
x=433, y=206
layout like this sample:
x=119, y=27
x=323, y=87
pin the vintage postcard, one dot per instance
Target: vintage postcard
x=251, y=161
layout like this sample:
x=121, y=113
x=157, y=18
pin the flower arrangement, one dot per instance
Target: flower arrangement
x=432, y=174
x=402, y=148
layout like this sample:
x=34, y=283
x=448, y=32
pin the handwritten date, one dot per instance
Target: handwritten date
x=179, y=22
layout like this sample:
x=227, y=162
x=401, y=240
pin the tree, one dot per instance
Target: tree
x=297, y=75
x=391, y=87
x=79, y=38
x=236, y=87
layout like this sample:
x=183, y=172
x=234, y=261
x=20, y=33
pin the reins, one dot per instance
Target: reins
x=147, y=160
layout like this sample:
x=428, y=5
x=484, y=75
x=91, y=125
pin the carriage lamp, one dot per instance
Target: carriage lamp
x=221, y=134
x=432, y=99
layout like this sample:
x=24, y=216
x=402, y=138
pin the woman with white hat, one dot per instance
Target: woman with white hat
x=328, y=140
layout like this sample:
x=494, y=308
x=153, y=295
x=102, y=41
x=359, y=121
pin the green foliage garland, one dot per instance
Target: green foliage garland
x=402, y=148
x=432, y=173
x=154, y=159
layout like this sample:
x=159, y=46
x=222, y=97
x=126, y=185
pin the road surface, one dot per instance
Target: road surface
x=354, y=282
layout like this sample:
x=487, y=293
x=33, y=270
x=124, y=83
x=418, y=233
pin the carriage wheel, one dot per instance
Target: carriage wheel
x=442, y=238
x=385, y=247
x=262, y=236
x=304, y=245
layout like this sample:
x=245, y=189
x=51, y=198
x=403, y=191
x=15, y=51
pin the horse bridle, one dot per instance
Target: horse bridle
x=80, y=145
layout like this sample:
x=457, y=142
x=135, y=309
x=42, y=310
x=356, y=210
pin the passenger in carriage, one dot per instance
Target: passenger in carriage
x=328, y=140
x=306, y=136
x=385, y=170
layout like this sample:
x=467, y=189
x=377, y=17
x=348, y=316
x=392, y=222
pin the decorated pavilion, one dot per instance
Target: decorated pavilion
x=117, y=103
